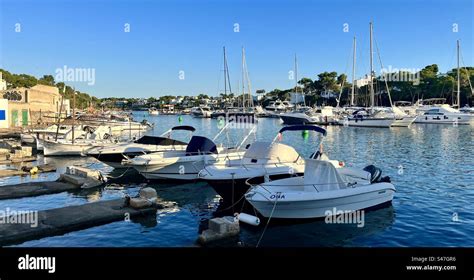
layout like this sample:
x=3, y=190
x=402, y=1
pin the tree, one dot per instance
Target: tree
x=46, y=80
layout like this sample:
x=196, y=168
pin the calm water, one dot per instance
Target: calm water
x=432, y=167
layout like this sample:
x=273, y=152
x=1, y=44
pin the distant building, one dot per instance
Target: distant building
x=363, y=81
x=3, y=83
x=26, y=106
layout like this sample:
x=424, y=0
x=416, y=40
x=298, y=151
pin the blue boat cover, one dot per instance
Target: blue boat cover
x=304, y=127
x=160, y=141
x=200, y=145
x=184, y=127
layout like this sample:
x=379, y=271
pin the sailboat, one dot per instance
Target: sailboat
x=370, y=117
x=246, y=112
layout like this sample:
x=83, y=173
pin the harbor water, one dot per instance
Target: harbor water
x=431, y=166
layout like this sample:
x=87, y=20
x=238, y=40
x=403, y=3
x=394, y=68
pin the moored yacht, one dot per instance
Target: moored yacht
x=201, y=112
x=443, y=115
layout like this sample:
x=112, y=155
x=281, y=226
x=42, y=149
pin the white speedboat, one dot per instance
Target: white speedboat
x=321, y=189
x=443, y=115
x=78, y=146
x=261, y=162
x=298, y=118
x=182, y=165
x=201, y=112
x=185, y=165
x=114, y=155
x=276, y=106
x=271, y=160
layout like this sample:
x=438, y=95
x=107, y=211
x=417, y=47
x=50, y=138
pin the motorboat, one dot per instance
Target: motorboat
x=78, y=146
x=322, y=189
x=300, y=118
x=443, y=115
x=276, y=106
x=114, y=155
x=184, y=165
x=201, y=112
x=261, y=161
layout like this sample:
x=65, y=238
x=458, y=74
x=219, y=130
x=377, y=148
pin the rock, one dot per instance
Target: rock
x=148, y=193
x=139, y=203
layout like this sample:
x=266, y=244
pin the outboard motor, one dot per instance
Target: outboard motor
x=375, y=173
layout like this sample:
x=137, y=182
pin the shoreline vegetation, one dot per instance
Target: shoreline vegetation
x=325, y=89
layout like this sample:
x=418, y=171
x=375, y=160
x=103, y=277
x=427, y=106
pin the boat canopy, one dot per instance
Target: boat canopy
x=158, y=140
x=267, y=150
x=184, y=127
x=304, y=127
x=321, y=175
x=200, y=145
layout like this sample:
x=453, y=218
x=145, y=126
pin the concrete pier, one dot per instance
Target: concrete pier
x=25, y=171
x=72, y=218
x=35, y=189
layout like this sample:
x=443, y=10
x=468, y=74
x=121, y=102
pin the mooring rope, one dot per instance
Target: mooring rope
x=268, y=221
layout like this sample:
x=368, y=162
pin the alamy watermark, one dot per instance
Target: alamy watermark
x=401, y=75
x=334, y=216
x=69, y=74
x=236, y=121
x=9, y=216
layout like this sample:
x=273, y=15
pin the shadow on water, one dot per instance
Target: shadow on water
x=311, y=233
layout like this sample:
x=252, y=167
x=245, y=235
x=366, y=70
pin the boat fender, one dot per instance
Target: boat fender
x=248, y=219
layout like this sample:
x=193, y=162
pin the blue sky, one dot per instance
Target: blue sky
x=167, y=37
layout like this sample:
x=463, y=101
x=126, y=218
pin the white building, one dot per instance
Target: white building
x=363, y=81
x=3, y=83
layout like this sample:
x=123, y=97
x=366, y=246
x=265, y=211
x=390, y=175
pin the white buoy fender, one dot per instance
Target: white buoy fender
x=248, y=219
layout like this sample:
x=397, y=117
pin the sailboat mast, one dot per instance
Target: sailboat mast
x=73, y=112
x=353, y=72
x=243, y=78
x=459, y=79
x=372, y=95
x=225, y=75
x=249, y=87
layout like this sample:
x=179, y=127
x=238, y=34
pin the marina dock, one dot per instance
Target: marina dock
x=35, y=189
x=72, y=218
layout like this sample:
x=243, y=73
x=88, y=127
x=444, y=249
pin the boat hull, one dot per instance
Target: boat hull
x=288, y=206
x=369, y=122
x=404, y=122
x=65, y=149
